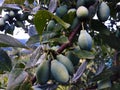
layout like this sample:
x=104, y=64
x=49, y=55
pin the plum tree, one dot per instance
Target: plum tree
x=60, y=53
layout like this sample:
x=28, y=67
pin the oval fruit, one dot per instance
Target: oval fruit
x=85, y=40
x=66, y=62
x=2, y=22
x=103, y=12
x=82, y=12
x=61, y=11
x=51, y=25
x=59, y=72
x=75, y=22
x=80, y=3
x=42, y=73
x=86, y=3
x=74, y=59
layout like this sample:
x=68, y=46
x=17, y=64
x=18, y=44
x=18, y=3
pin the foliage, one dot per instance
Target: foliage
x=96, y=66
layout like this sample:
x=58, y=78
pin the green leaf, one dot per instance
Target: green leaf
x=84, y=54
x=99, y=26
x=8, y=41
x=43, y=16
x=5, y=61
x=33, y=39
x=61, y=40
x=14, y=1
x=18, y=80
x=104, y=84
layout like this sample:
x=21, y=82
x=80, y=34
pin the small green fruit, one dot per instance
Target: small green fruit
x=66, y=62
x=6, y=17
x=51, y=25
x=85, y=40
x=103, y=12
x=59, y=72
x=2, y=22
x=61, y=11
x=42, y=73
x=82, y=13
x=75, y=22
x=80, y=3
x=11, y=13
x=73, y=58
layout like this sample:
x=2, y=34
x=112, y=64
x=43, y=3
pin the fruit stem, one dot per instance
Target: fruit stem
x=83, y=26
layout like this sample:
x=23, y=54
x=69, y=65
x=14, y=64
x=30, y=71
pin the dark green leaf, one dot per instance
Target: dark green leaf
x=5, y=61
x=8, y=41
x=99, y=26
x=61, y=40
x=84, y=54
x=42, y=17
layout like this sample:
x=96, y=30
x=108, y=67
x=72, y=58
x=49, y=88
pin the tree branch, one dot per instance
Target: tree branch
x=70, y=38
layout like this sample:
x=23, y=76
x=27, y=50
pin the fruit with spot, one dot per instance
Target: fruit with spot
x=42, y=73
x=59, y=72
x=103, y=11
x=66, y=62
x=82, y=13
x=61, y=11
x=85, y=40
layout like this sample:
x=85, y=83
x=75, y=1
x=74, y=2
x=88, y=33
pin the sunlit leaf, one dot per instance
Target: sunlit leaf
x=8, y=41
x=52, y=5
x=16, y=78
x=42, y=17
x=11, y=6
x=1, y=2
x=104, y=85
x=14, y=1
x=79, y=71
x=5, y=61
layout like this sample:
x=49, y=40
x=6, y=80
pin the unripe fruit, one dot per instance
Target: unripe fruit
x=103, y=12
x=12, y=13
x=80, y=3
x=86, y=3
x=75, y=22
x=61, y=11
x=82, y=12
x=66, y=62
x=6, y=17
x=2, y=22
x=51, y=25
x=59, y=72
x=42, y=73
x=85, y=40
x=74, y=59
